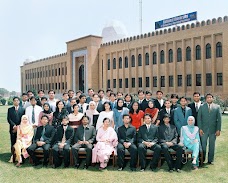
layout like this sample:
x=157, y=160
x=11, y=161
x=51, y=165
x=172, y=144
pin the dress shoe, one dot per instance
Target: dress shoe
x=210, y=163
x=178, y=170
x=120, y=169
x=142, y=170
x=77, y=166
x=86, y=166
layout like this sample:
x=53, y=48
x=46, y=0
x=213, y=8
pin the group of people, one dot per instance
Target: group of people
x=105, y=124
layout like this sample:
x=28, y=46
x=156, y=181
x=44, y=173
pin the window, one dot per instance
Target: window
x=155, y=81
x=126, y=82
x=114, y=63
x=189, y=80
x=147, y=82
x=63, y=85
x=188, y=54
x=56, y=86
x=162, y=57
x=162, y=81
x=66, y=73
x=38, y=75
x=108, y=83
x=59, y=86
x=179, y=55
x=62, y=70
x=120, y=63
x=140, y=82
x=198, y=79
x=147, y=59
x=219, y=49
x=126, y=62
x=208, y=79
x=198, y=52
x=114, y=83
x=52, y=86
x=139, y=60
x=132, y=61
x=133, y=82
x=120, y=83
x=170, y=81
x=179, y=80
x=52, y=72
x=56, y=72
x=109, y=64
x=59, y=71
x=49, y=73
x=154, y=58
x=219, y=79
x=208, y=51
x=170, y=55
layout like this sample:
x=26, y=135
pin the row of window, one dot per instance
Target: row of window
x=48, y=86
x=170, y=56
x=47, y=73
x=171, y=81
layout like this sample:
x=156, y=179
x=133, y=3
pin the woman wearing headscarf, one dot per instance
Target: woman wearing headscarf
x=152, y=111
x=118, y=113
x=106, y=144
x=92, y=113
x=48, y=112
x=25, y=134
x=190, y=139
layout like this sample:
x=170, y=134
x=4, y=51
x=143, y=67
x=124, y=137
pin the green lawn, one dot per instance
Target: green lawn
x=9, y=173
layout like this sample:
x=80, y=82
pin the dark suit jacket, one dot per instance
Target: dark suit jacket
x=162, y=113
x=167, y=134
x=48, y=135
x=143, y=105
x=69, y=134
x=126, y=134
x=175, y=106
x=69, y=109
x=38, y=102
x=128, y=105
x=100, y=107
x=157, y=105
x=194, y=113
x=90, y=134
x=144, y=135
x=88, y=99
x=13, y=117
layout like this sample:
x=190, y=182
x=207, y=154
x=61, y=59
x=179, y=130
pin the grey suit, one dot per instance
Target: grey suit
x=209, y=121
x=180, y=119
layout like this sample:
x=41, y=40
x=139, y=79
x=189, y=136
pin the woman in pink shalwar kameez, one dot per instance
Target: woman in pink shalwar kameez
x=107, y=141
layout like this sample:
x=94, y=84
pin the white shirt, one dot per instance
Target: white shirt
x=37, y=110
x=84, y=107
x=167, y=110
x=25, y=104
x=198, y=104
x=148, y=126
x=52, y=104
x=161, y=102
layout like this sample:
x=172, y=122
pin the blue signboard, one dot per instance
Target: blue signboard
x=176, y=20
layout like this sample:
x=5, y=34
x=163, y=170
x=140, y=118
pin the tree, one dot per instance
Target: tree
x=3, y=101
x=10, y=101
x=3, y=91
x=13, y=93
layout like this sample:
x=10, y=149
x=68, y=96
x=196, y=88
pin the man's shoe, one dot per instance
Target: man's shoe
x=120, y=169
x=178, y=170
x=142, y=170
x=86, y=166
x=77, y=166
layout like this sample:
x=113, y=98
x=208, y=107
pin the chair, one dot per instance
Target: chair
x=149, y=156
x=39, y=154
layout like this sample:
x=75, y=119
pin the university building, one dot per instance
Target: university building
x=181, y=60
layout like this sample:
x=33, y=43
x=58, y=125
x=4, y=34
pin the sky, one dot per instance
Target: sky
x=40, y=28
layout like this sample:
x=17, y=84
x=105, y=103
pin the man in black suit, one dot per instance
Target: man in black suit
x=14, y=119
x=143, y=104
x=38, y=99
x=148, y=139
x=127, y=139
x=159, y=101
x=43, y=138
x=24, y=101
x=174, y=99
x=166, y=110
x=72, y=102
x=195, y=105
x=63, y=139
x=168, y=139
x=84, y=138
x=90, y=97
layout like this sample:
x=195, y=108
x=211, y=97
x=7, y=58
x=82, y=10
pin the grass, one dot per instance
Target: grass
x=9, y=173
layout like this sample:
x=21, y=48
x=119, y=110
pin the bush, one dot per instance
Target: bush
x=10, y=101
x=3, y=101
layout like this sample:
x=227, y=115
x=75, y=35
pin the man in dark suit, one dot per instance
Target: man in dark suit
x=63, y=139
x=38, y=99
x=84, y=138
x=209, y=123
x=174, y=99
x=24, y=101
x=168, y=139
x=148, y=139
x=159, y=101
x=90, y=97
x=43, y=138
x=195, y=105
x=14, y=119
x=65, y=99
x=127, y=139
x=165, y=111
x=143, y=104
x=70, y=108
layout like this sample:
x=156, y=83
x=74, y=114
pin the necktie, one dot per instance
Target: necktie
x=64, y=134
x=84, y=134
x=42, y=136
x=209, y=108
x=148, y=128
x=183, y=110
x=197, y=108
x=16, y=109
x=33, y=115
x=168, y=111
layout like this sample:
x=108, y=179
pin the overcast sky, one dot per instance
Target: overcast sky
x=39, y=28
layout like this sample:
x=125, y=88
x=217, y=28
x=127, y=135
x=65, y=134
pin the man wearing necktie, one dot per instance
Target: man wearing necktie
x=165, y=111
x=195, y=105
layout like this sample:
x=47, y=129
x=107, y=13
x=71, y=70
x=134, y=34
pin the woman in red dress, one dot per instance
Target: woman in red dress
x=153, y=112
x=136, y=115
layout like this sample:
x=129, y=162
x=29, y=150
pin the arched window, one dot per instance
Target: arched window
x=179, y=55
x=188, y=54
x=162, y=57
x=147, y=59
x=139, y=60
x=198, y=52
x=170, y=55
x=208, y=51
x=109, y=64
x=219, y=49
x=120, y=63
x=126, y=62
x=132, y=61
x=154, y=57
x=114, y=63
